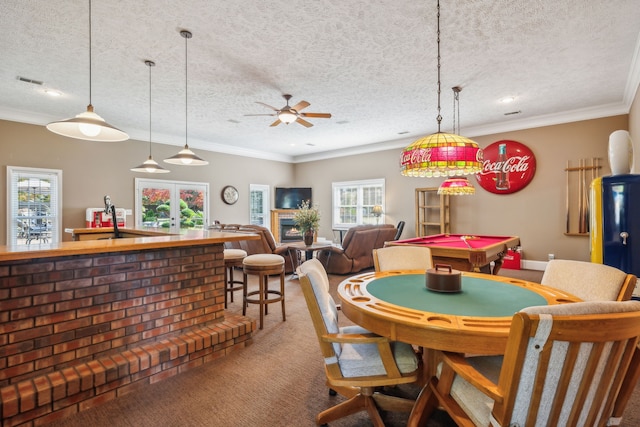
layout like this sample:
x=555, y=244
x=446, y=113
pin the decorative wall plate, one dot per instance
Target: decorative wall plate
x=508, y=166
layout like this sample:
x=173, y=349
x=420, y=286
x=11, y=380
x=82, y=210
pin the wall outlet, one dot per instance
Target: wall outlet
x=551, y=256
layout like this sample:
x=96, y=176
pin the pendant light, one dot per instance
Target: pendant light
x=441, y=154
x=186, y=156
x=150, y=165
x=88, y=125
x=459, y=186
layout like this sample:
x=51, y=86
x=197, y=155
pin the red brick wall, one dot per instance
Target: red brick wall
x=78, y=330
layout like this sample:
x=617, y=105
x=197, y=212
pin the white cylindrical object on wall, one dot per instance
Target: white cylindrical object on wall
x=620, y=152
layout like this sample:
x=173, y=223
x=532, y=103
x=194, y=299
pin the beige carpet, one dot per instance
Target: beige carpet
x=277, y=381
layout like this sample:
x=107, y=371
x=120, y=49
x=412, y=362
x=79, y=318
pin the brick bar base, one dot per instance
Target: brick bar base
x=77, y=331
x=43, y=399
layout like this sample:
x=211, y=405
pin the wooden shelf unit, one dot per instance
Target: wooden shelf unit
x=432, y=212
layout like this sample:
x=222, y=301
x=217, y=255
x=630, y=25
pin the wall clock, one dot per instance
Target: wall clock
x=229, y=194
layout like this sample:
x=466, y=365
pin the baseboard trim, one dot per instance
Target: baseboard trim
x=533, y=265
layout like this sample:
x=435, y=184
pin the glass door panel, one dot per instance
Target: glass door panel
x=171, y=205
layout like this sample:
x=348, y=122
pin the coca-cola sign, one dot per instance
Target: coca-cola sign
x=508, y=166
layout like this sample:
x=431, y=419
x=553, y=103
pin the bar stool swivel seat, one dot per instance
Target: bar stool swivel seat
x=232, y=258
x=263, y=265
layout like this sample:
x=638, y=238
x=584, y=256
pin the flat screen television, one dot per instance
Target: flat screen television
x=291, y=198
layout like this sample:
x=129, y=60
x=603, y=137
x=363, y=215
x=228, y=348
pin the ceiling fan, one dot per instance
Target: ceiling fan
x=289, y=114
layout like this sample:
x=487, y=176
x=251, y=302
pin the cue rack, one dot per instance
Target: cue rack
x=578, y=184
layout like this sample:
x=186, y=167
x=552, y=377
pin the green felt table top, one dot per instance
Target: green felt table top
x=479, y=297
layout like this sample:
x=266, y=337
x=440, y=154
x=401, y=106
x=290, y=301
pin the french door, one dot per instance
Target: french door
x=171, y=205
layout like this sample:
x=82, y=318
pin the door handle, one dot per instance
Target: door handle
x=624, y=236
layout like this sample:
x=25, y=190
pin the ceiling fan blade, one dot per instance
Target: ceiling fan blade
x=317, y=115
x=276, y=123
x=300, y=105
x=303, y=122
x=260, y=114
x=267, y=105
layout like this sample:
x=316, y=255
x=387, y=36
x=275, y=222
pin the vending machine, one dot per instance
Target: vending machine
x=97, y=218
x=615, y=222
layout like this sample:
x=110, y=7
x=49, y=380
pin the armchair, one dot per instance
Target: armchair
x=358, y=244
x=564, y=365
x=356, y=360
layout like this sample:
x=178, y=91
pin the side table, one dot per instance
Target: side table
x=295, y=250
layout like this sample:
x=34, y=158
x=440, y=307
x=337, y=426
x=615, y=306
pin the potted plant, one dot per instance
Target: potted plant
x=307, y=219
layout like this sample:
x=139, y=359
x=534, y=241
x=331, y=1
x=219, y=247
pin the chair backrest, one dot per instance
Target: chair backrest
x=589, y=281
x=322, y=308
x=404, y=257
x=564, y=364
x=400, y=227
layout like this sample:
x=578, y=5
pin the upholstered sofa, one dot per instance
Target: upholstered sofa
x=358, y=244
x=265, y=245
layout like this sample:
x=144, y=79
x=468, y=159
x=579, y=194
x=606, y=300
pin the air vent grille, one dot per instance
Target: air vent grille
x=32, y=81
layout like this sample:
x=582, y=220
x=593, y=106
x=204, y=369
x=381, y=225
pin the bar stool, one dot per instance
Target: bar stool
x=263, y=265
x=232, y=258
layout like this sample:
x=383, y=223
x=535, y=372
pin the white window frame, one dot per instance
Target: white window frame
x=263, y=219
x=54, y=232
x=363, y=211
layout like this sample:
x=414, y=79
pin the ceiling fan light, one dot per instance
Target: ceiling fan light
x=287, y=117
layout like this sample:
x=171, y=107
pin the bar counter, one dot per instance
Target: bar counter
x=95, y=240
x=85, y=321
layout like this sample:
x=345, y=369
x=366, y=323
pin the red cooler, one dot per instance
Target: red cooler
x=96, y=218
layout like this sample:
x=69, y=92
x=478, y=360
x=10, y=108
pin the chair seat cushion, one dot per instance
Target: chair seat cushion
x=475, y=403
x=357, y=360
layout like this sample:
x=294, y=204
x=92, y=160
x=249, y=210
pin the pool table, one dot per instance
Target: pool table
x=465, y=252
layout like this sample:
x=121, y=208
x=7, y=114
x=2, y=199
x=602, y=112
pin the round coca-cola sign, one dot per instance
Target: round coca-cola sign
x=508, y=166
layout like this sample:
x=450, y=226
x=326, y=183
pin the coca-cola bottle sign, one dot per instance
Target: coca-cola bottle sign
x=508, y=166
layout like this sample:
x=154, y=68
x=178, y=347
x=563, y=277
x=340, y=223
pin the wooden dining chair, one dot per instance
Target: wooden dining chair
x=405, y=257
x=564, y=365
x=589, y=281
x=357, y=362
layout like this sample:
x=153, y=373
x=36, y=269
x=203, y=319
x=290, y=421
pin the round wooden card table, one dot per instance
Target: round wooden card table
x=397, y=305
x=476, y=320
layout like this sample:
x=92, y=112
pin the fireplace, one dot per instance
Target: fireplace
x=288, y=231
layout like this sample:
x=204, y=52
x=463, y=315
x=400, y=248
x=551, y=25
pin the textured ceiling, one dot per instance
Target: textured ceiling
x=370, y=63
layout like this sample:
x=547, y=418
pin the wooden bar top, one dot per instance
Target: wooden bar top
x=146, y=239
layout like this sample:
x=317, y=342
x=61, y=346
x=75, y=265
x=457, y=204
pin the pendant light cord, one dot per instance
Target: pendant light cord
x=187, y=36
x=150, y=64
x=90, y=62
x=456, y=109
x=439, y=118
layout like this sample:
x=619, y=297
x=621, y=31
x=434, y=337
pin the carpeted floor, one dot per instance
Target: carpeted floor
x=277, y=381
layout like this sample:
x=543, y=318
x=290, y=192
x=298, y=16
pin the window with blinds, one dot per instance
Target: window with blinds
x=353, y=202
x=34, y=205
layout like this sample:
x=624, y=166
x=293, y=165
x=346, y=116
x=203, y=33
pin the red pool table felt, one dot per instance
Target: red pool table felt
x=452, y=249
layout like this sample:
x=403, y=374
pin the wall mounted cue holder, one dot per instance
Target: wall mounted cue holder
x=577, y=194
